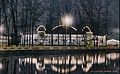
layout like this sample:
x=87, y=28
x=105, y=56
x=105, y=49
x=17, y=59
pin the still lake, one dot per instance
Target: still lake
x=83, y=63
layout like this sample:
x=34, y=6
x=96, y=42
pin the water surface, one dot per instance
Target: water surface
x=85, y=63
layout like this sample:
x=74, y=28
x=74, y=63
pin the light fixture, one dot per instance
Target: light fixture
x=67, y=20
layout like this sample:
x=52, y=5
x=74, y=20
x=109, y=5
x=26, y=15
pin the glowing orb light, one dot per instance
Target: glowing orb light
x=67, y=20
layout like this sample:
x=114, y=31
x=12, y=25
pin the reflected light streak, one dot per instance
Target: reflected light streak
x=87, y=68
x=1, y=28
x=1, y=66
x=63, y=70
x=68, y=60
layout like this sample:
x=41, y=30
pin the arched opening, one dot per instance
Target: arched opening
x=63, y=35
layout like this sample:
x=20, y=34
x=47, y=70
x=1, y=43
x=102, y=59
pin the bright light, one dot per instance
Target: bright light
x=1, y=65
x=1, y=28
x=67, y=20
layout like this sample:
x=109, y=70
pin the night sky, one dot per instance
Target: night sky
x=25, y=13
x=114, y=28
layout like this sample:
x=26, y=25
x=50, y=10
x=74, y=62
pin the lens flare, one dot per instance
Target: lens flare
x=67, y=20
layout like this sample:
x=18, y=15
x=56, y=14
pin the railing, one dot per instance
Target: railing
x=51, y=40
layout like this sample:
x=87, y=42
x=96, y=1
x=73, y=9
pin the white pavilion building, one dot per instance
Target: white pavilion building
x=62, y=35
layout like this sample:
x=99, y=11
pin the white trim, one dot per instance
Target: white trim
x=41, y=26
x=87, y=28
x=63, y=25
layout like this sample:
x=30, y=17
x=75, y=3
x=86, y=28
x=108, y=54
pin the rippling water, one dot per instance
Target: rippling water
x=102, y=63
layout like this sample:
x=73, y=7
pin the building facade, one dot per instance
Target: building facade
x=61, y=35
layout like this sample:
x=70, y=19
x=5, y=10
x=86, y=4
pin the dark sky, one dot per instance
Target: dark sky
x=114, y=28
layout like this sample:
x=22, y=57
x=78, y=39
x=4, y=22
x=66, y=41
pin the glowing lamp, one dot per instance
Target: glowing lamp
x=67, y=20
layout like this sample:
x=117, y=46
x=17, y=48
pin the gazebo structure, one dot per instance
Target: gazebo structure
x=87, y=35
x=62, y=35
x=41, y=34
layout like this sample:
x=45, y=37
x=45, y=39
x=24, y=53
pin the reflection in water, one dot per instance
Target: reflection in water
x=60, y=64
x=1, y=66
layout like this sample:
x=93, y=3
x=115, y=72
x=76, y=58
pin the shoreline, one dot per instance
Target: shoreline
x=53, y=50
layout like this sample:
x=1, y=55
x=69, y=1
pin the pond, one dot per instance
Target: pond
x=84, y=63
